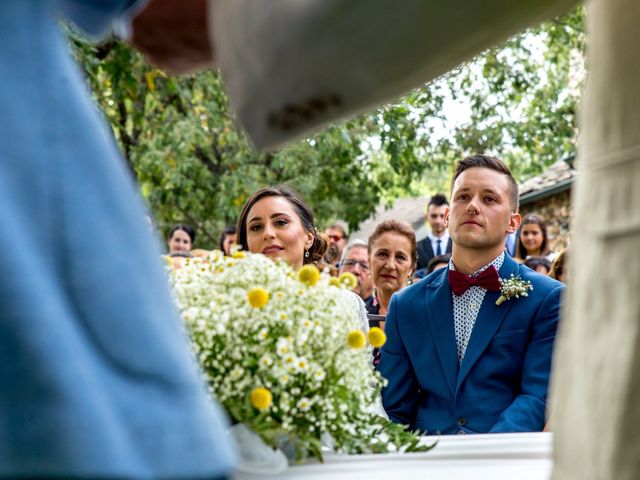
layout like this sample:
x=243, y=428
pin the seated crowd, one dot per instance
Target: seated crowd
x=470, y=321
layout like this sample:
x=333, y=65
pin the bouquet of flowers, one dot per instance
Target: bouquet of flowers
x=284, y=353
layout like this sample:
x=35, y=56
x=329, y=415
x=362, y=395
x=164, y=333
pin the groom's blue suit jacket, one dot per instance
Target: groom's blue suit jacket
x=501, y=384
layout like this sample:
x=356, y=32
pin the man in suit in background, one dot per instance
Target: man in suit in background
x=459, y=357
x=437, y=242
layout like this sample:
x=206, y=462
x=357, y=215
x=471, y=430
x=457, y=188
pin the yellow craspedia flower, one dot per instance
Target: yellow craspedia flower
x=334, y=281
x=377, y=337
x=258, y=297
x=260, y=398
x=355, y=339
x=238, y=254
x=309, y=275
x=348, y=279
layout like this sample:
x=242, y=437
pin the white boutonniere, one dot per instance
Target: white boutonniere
x=513, y=287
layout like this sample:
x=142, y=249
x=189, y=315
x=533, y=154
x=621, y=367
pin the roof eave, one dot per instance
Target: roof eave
x=559, y=187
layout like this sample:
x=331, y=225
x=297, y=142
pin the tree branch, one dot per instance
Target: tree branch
x=127, y=141
x=214, y=167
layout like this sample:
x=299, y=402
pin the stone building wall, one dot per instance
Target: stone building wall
x=556, y=211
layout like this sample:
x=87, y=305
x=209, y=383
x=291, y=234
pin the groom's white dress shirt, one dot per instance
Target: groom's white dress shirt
x=467, y=306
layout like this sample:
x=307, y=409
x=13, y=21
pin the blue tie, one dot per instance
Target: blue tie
x=438, y=248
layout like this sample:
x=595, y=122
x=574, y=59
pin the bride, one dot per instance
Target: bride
x=278, y=223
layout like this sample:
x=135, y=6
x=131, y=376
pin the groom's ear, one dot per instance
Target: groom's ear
x=514, y=223
x=446, y=216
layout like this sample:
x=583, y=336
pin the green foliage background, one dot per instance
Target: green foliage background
x=193, y=165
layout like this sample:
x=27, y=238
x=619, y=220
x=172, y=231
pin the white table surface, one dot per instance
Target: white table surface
x=510, y=456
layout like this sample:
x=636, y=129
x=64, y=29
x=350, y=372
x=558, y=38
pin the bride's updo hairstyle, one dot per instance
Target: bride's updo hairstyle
x=304, y=212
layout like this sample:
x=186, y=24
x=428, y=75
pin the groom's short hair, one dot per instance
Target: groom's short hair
x=492, y=163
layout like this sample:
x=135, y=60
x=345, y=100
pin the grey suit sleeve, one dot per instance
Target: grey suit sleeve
x=291, y=66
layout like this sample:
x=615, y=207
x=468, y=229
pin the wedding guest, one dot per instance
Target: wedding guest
x=558, y=267
x=533, y=240
x=418, y=275
x=437, y=242
x=459, y=359
x=338, y=239
x=510, y=243
x=332, y=269
x=355, y=259
x=392, y=257
x=436, y=263
x=97, y=379
x=228, y=239
x=538, y=264
x=278, y=223
x=181, y=238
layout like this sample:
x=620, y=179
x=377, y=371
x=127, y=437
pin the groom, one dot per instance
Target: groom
x=456, y=361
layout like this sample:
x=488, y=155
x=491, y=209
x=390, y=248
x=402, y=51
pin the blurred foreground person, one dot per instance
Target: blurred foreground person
x=96, y=377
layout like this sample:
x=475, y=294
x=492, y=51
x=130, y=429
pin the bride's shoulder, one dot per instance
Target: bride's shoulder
x=358, y=306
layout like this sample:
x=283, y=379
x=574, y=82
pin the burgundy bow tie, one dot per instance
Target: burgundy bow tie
x=487, y=279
